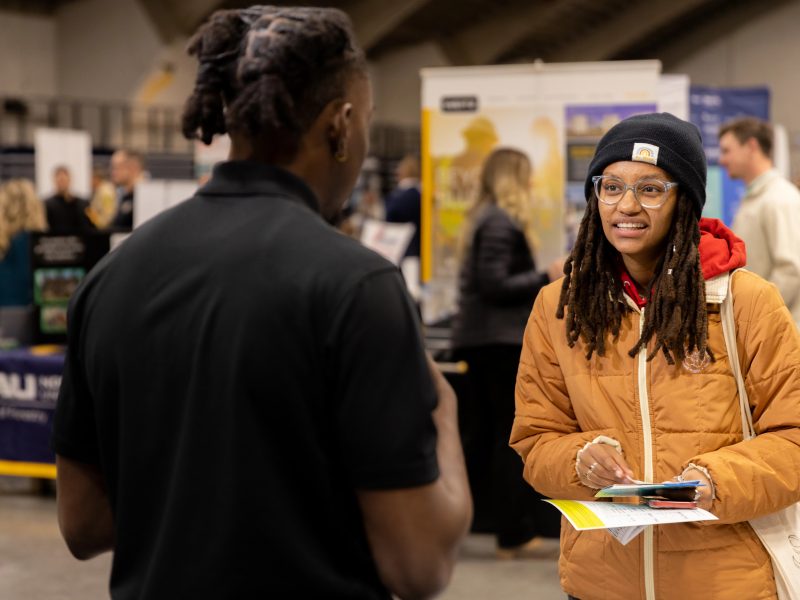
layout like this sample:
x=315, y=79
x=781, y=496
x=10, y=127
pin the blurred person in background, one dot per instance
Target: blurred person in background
x=367, y=192
x=127, y=169
x=21, y=212
x=768, y=219
x=66, y=213
x=364, y=203
x=103, y=205
x=497, y=286
x=403, y=203
x=233, y=422
x=624, y=375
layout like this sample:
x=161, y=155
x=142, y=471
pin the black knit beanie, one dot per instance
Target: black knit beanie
x=660, y=139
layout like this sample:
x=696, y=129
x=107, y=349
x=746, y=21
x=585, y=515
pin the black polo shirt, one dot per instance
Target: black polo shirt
x=237, y=368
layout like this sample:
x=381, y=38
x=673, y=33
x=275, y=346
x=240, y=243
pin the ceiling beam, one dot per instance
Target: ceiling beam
x=723, y=24
x=177, y=18
x=191, y=14
x=373, y=20
x=161, y=18
x=624, y=30
x=487, y=41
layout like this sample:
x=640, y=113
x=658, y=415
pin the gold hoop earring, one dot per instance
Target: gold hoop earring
x=341, y=152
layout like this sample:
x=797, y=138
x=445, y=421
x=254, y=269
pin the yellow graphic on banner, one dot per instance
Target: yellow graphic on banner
x=427, y=199
x=449, y=187
x=454, y=150
x=548, y=182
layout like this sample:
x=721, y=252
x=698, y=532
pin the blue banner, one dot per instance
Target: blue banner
x=709, y=108
x=29, y=384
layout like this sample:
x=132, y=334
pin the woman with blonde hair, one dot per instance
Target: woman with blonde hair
x=21, y=211
x=498, y=284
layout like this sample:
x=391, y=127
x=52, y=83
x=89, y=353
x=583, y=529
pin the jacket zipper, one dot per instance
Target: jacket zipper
x=647, y=435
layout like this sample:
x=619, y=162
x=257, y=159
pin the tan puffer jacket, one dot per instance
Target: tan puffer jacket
x=666, y=417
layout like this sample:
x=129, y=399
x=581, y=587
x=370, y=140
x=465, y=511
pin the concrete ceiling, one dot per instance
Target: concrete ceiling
x=474, y=32
x=40, y=7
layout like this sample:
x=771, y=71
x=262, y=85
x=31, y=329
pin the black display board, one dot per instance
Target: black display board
x=58, y=264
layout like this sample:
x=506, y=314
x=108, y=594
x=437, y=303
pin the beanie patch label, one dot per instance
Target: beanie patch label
x=645, y=153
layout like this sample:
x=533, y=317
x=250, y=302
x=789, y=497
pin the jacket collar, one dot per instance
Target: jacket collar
x=716, y=291
x=720, y=253
x=250, y=178
x=759, y=183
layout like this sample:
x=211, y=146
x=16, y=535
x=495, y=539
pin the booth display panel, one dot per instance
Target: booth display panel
x=29, y=382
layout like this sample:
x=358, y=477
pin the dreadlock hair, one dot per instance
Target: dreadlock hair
x=677, y=315
x=267, y=72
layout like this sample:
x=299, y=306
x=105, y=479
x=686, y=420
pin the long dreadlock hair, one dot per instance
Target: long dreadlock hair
x=591, y=292
x=268, y=72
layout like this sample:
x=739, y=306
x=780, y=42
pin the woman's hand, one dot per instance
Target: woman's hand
x=600, y=465
x=705, y=493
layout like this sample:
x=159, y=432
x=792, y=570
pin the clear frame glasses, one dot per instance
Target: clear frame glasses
x=650, y=193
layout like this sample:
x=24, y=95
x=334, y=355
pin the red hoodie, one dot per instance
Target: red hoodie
x=720, y=251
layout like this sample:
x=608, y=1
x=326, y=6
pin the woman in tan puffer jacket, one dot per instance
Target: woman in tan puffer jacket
x=624, y=375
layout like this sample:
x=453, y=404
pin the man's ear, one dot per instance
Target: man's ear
x=340, y=125
x=753, y=145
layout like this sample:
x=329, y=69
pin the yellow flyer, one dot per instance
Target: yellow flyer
x=624, y=521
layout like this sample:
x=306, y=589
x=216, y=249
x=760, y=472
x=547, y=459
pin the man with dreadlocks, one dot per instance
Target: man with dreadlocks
x=624, y=375
x=230, y=423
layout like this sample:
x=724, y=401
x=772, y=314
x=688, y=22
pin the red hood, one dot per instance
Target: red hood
x=720, y=251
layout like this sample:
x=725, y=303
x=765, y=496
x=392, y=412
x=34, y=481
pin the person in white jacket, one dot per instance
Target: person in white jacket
x=768, y=219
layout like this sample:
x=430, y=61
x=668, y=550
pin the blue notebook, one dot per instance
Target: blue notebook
x=678, y=490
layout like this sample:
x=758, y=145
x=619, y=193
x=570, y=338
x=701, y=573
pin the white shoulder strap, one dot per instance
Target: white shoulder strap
x=729, y=331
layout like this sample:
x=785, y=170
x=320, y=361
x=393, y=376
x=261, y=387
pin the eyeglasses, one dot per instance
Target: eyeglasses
x=650, y=193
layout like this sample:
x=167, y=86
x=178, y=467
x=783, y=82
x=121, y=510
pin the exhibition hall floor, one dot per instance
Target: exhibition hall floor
x=35, y=564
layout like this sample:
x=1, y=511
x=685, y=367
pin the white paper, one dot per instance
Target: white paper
x=625, y=534
x=390, y=240
x=608, y=515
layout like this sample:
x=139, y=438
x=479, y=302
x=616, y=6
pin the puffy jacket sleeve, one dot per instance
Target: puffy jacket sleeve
x=495, y=242
x=545, y=432
x=756, y=477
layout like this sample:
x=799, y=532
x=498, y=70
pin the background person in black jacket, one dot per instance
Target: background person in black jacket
x=66, y=212
x=498, y=284
x=403, y=204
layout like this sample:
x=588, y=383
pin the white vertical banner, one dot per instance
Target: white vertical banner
x=63, y=147
x=673, y=95
x=467, y=112
x=206, y=156
x=153, y=196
